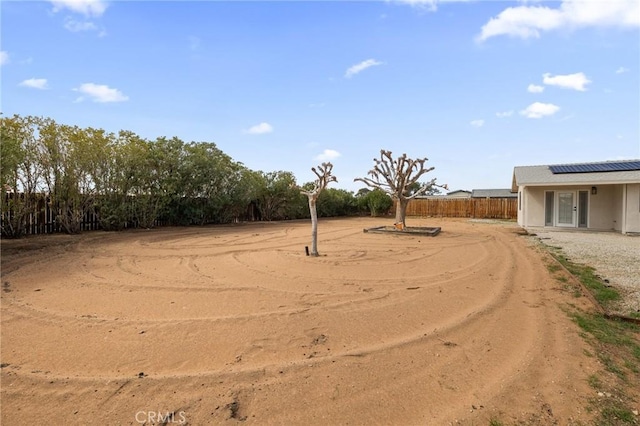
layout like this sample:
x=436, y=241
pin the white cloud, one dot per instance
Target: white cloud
x=260, y=129
x=100, y=93
x=4, y=57
x=430, y=5
x=535, y=89
x=539, y=110
x=327, y=154
x=84, y=7
x=357, y=68
x=576, y=81
x=77, y=26
x=521, y=21
x=35, y=83
x=504, y=114
x=622, y=70
x=477, y=123
x=530, y=21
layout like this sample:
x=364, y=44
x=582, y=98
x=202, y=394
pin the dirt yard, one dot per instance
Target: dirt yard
x=222, y=325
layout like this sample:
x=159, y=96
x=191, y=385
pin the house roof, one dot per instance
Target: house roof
x=617, y=172
x=459, y=191
x=493, y=193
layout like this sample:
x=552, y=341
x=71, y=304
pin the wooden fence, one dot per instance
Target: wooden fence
x=41, y=217
x=42, y=220
x=479, y=208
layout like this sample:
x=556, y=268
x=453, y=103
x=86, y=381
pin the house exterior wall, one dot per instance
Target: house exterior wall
x=632, y=208
x=618, y=212
x=604, y=213
x=606, y=208
x=534, y=200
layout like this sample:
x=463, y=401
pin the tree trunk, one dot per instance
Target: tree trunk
x=314, y=226
x=323, y=172
x=401, y=211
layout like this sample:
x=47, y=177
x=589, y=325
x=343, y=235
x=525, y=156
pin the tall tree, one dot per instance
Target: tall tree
x=323, y=172
x=334, y=202
x=20, y=173
x=376, y=202
x=396, y=177
x=275, y=192
x=117, y=175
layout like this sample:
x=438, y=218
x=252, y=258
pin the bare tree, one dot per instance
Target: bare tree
x=323, y=172
x=397, y=177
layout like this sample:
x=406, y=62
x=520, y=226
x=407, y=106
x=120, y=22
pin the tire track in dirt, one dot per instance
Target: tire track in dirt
x=318, y=304
x=396, y=329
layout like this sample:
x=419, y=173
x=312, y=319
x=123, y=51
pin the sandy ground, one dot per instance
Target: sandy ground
x=228, y=325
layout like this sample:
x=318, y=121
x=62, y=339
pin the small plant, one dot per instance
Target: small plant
x=495, y=422
x=594, y=382
x=615, y=415
x=553, y=267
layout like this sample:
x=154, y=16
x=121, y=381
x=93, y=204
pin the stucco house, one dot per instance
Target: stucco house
x=590, y=196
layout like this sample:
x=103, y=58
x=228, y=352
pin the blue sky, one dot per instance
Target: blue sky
x=478, y=87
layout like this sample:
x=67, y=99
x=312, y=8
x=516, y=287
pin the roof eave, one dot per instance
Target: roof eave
x=578, y=183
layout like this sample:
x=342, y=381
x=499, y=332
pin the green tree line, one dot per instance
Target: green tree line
x=127, y=181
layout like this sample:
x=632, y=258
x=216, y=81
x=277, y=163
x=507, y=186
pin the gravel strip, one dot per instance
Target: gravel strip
x=614, y=256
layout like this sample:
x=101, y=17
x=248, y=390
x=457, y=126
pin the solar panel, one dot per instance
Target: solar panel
x=613, y=166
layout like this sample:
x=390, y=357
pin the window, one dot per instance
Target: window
x=549, y=197
x=583, y=208
x=519, y=200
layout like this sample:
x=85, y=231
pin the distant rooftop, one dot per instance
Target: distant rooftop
x=493, y=193
x=461, y=193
